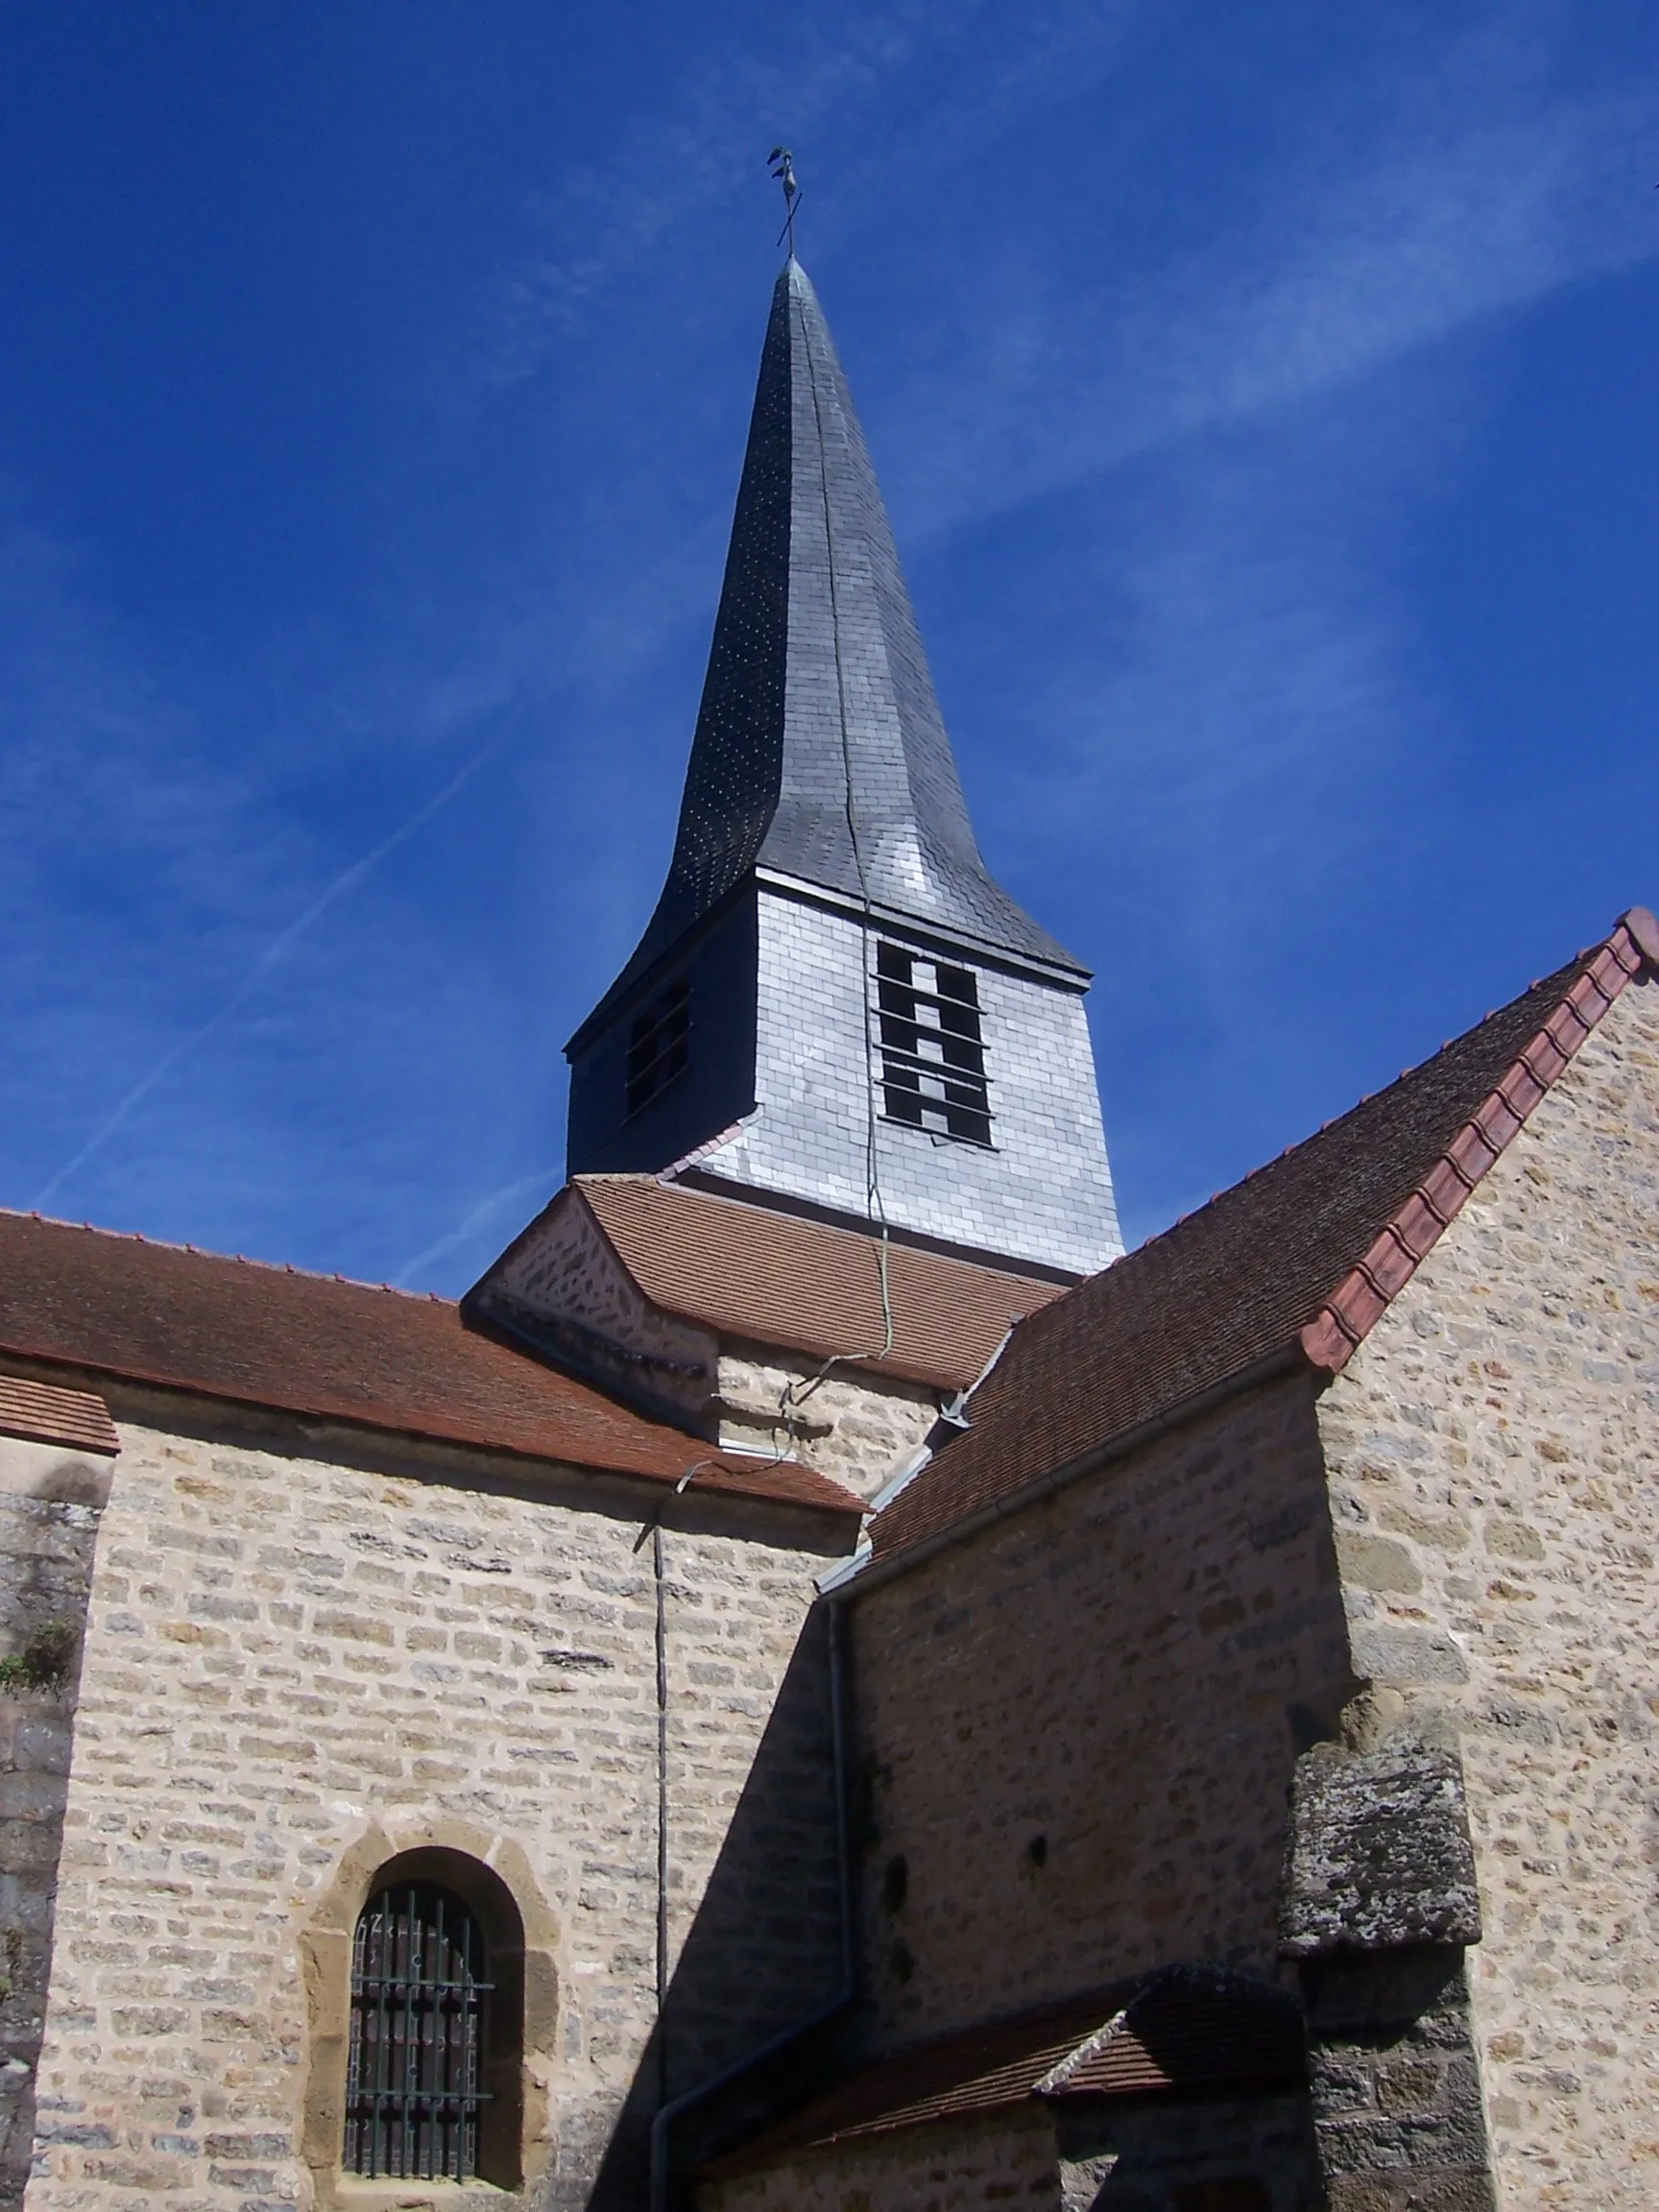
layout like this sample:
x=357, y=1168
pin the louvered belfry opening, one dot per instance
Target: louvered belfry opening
x=659, y=1045
x=932, y=1048
x=420, y=2025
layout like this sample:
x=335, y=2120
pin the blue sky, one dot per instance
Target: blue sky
x=1264, y=399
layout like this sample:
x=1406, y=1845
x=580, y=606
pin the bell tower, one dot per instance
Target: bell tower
x=834, y=1009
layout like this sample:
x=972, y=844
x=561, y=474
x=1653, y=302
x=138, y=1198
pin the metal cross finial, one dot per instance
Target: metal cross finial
x=781, y=165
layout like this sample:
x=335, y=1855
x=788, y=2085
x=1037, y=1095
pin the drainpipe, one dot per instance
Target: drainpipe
x=668, y=2114
x=662, y=1808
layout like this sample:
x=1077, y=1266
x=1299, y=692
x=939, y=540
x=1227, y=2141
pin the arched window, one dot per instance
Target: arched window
x=433, y=2049
x=420, y=1993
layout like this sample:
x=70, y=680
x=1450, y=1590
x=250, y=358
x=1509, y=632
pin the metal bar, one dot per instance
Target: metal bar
x=437, y=2147
x=903, y=1060
x=416, y=2030
x=411, y=2082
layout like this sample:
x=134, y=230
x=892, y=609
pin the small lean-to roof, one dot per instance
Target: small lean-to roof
x=752, y=1271
x=326, y=1349
x=1300, y=1258
x=41, y=1413
x=1185, y=2029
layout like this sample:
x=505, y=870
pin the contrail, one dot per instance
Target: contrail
x=443, y=1246
x=261, y=968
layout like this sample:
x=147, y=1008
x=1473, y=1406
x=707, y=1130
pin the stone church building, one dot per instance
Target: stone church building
x=822, y=1682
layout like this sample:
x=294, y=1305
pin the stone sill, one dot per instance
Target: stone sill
x=355, y=2193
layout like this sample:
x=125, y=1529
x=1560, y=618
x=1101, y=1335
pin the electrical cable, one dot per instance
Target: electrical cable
x=875, y=1199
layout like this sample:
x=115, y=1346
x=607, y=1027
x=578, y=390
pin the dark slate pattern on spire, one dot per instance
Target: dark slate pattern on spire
x=731, y=786
x=817, y=681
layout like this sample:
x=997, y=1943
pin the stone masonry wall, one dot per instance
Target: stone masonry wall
x=566, y=1289
x=293, y=1662
x=1078, y=1727
x=49, y=1500
x=1494, y=1451
x=968, y=2168
x=1139, y=2154
x=855, y=1427
x=562, y=1285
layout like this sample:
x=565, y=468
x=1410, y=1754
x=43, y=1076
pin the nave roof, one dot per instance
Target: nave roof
x=92, y=1303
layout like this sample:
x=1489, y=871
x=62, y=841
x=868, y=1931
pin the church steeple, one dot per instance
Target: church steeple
x=823, y=825
x=820, y=748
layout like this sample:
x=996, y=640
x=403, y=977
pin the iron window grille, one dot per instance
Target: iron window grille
x=659, y=1045
x=932, y=1046
x=420, y=2027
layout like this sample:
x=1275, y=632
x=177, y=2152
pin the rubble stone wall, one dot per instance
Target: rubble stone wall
x=50, y=1501
x=970, y=2166
x=1494, y=1452
x=295, y=1665
x=1077, y=1728
x=854, y=1427
x=1138, y=2154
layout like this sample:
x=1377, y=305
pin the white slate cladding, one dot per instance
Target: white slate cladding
x=1041, y=1192
x=823, y=793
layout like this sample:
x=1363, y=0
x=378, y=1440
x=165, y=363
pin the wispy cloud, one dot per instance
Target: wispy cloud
x=1475, y=189
x=820, y=87
x=1230, y=688
x=270, y=958
x=1227, y=418
x=499, y=1205
x=607, y=218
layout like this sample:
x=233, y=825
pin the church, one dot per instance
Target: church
x=824, y=1682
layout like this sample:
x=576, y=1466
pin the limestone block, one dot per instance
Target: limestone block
x=1379, y=1853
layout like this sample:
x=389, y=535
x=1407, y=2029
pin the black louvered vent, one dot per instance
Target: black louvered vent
x=659, y=1045
x=932, y=1048
x=420, y=2001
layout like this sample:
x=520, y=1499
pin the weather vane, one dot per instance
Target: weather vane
x=781, y=165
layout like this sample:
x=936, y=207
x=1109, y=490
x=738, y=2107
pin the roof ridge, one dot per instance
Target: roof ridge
x=1090, y=2047
x=1405, y=1240
x=223, y=1259
x=1339, y=1121
x=1336, y=1121
x=1293, y=1263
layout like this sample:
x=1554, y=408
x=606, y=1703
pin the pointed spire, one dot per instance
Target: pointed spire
x=820, y=750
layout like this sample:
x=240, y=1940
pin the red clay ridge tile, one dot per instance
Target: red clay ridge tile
x=1297, y=1260
x=1357, y=1302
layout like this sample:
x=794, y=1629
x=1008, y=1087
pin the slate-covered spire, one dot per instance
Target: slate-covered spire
x=820, y=751
x=834, y=1007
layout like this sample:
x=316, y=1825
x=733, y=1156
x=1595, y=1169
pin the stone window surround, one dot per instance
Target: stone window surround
x=493, y=1874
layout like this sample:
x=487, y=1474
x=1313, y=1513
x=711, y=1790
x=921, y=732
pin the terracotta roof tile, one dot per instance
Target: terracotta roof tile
x=1185, y=2029
x=1299, y=1259
x=754, y=1271
x=321, y=1346
x=44, y=1414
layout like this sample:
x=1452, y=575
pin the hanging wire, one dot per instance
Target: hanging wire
x=874, y=1198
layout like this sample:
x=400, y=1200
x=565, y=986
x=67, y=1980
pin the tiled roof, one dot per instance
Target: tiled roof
x=1299, y=1259
x=44, y=1414
x=753, y=1271
x=320, y=1346
x=1187, y=2029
